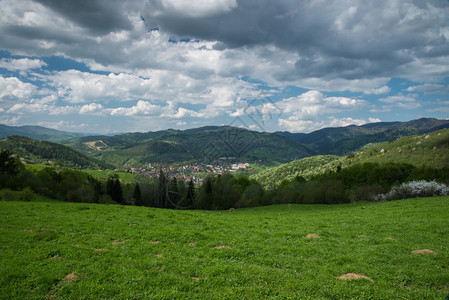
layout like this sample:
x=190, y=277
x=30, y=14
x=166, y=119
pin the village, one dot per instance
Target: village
x=197, y=172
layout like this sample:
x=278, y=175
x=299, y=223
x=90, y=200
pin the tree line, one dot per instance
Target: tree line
x=354, y=183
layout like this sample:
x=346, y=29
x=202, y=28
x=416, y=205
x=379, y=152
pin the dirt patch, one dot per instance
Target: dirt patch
x=232, y=209
x=362, y=236
x=312, y=236
x=222, y=247
x=192, y=244
x=424, y=251
x=77, y=246
x=120, y=242
x=155, y=242
x=100, y=249
x=54, y=257
x=70, y=277
x=28, y=230
x=196, y=279
x=159, y=255
x=97, y=234
x=390, y=239
x=354, y=276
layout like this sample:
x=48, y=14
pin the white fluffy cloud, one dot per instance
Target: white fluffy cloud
x=313, y=103
x=13, y=89
x=22, y=64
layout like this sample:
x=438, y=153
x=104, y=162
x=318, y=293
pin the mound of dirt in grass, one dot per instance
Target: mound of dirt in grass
x=159, y=255
x=390, y=239
x=192, y=244
x=120, y=242
x=354, y=276
x=222, y=247
x=70, y=277
x=99, y=249
x=424, y=251
x=155, y=242
x=312, y=236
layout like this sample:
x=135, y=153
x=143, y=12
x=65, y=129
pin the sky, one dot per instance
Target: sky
x=110, y=66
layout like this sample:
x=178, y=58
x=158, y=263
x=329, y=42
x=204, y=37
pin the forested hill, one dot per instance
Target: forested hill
x=212, y=142
x=342, y=140
x=430, y=149
x=34, y=151
x=203, y=144
x=38, y=133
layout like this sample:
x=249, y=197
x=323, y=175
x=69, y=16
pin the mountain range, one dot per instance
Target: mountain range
x=221, y=142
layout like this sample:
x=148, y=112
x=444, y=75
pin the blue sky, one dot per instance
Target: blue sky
x=98, y=66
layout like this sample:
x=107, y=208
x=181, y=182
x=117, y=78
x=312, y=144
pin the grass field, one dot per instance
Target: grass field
x=57, y=250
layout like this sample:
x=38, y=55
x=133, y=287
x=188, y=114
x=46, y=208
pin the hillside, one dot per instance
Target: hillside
x=38, y=133
x=343, y=140
x=207, y=144
x=202, y=144
x=430, y=149
x=34, y=151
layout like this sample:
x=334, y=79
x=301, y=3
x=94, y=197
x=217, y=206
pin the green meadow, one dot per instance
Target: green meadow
x=60, y=250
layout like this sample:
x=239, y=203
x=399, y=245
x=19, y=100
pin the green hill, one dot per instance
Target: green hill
x=431, y=149
x=201, y=144
x=38, y=133
x=42, y=152
x=342, y=140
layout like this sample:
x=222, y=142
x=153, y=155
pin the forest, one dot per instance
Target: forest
x=363, y=181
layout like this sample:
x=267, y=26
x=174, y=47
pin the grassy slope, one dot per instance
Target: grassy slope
x=417, y=150
x=269, y=255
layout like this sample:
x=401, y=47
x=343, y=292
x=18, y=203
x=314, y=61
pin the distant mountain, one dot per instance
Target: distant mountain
x=429, y=149
x=201, y=144
x=43, y=152
x=38, y=133
x=342, y=140
x=214, y=142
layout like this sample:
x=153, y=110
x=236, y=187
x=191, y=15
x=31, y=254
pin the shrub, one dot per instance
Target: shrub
x=414, y=189
x=26, y=195
x=7, y=195
x=366, y=193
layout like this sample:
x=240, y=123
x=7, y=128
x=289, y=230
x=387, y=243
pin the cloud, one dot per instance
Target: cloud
x=343, y=39
x=98, y=16
x=22, y=64
x=37, y=108
x=190, y=9
x=428, y=88
x=294, y=125
x=142, y=108
x=92, y=108
x=397, y=99
x=13, y=89
x=313, y=103
x=77, y=87
x=343, y=122
x=379, y=91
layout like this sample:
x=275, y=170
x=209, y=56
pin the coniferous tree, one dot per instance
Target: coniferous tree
x=137, y=195
x=191, y=193
x=173, y=196
x=114, y=189
x=9, y=164
x=162, y=200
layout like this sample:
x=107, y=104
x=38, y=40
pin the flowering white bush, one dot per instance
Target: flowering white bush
x=414, y=189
